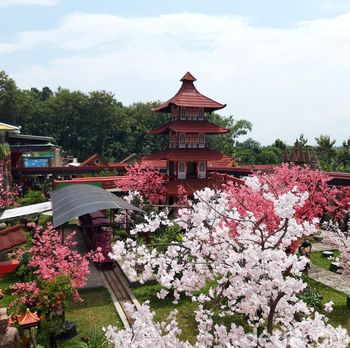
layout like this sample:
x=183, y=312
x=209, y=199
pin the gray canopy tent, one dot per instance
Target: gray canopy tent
x=79, y=199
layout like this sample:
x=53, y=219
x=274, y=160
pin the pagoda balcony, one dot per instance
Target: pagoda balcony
x=187, y=146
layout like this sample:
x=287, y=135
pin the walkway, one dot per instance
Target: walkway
x=114, y=281
x=326, y=277
x=331, y=279
x=117, y=284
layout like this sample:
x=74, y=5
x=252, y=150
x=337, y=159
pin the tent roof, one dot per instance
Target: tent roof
x=76, y=200
x=26, y=210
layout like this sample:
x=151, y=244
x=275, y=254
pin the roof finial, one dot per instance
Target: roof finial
x=188, y=77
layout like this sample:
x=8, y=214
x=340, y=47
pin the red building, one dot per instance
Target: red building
x=189, y=161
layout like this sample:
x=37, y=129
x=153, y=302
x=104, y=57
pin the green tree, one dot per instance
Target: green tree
x=301, y=141
x=326, y=152
x=226, y=142
x=9, y=98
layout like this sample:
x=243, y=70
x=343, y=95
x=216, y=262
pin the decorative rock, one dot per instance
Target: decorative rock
x=327, y=254
x=69, y=331
x=334, y=267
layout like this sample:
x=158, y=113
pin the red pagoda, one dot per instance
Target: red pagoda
x=189, y=161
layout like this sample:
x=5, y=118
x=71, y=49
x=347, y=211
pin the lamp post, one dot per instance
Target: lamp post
x=27, y=322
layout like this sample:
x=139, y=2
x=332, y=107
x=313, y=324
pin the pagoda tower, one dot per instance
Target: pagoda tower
x=188, y=158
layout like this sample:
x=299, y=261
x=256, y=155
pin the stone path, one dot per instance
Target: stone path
x=326, y=277
x=331, y=279
x=113, y=280
x=94, y=279
x=321, y=246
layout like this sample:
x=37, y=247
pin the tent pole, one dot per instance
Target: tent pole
x=62, y=234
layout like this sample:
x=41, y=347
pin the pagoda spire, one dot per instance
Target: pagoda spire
x=188, y=96
x=188, y=77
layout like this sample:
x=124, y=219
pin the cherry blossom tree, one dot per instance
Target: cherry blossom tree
x=51, y=261
x=238, y=240
x=149, y=182
x=7, y=195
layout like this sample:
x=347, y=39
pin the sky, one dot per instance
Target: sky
x=284, y=65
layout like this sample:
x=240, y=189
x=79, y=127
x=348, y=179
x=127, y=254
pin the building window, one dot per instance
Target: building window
x=182, y=113
x=201, y=140
x=182, y=140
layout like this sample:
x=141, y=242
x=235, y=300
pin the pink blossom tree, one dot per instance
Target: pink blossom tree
x=51, y=261
x=7, y=195
x=149, y=182
x=237, y=239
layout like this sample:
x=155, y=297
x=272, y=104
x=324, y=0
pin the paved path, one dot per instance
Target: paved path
x=331, y=279
x=114, y=281
x=321, y=246
x=94, y=279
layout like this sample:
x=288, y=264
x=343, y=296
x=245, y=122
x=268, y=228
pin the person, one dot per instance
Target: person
x=8, y=335
x=305, y=250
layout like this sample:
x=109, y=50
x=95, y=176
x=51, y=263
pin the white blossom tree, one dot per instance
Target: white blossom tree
x=241, y=241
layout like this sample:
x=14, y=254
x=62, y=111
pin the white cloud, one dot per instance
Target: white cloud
x=286, y=81
x=10, y=3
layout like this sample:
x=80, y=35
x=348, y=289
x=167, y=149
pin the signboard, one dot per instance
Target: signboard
x=42, y=154
x=35, y=162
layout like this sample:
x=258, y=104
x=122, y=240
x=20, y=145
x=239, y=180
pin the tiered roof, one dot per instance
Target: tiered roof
x=189, y=96
x=186, y=155
x=190, y=126
x=28, y=319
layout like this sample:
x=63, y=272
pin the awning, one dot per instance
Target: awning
x=80, y=199
x=26, y=210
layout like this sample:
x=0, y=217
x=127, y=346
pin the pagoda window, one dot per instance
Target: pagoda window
x=182, y=170
x=201, y=170
x=201, y=142
x=201, y=114
x=182, y=140
x=172, y=139
x=195, y=140
x=182, y=113
x=189, y=140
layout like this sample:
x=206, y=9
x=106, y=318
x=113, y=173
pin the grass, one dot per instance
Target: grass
x=186, y=308
x=5, y=282
x=162, y=308
x=319, y=260
x=340, y=314
x=97, y=311
x=94, y=313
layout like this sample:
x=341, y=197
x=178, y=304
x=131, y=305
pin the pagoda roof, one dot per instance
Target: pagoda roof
x=189, y=96
x=186, y=155
x=28, y=319
x=190, y=126
x=215, y=181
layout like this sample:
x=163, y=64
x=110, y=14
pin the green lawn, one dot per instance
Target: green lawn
x=97, y=311
x=340, y=314
x=162, y=308
x=186, y=317
x=318, y=259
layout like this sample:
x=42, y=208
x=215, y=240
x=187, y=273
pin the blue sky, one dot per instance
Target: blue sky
x=283, y=65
